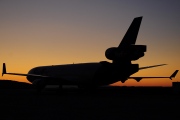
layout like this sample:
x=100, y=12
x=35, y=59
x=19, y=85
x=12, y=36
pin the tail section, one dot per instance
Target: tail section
x=132, y=32
x=127, y=51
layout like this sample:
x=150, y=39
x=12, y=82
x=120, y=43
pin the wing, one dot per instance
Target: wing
x=21, y=74
x=170, y=77
x=39, y=77
x=44, y=77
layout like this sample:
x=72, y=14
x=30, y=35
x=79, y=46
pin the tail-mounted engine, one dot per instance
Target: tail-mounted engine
x=131, y=52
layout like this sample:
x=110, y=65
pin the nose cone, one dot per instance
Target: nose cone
x=31, y=78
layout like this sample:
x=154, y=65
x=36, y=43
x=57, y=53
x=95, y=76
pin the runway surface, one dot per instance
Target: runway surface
x=106, y=103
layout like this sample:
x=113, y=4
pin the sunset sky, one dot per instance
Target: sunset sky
x=49, y=32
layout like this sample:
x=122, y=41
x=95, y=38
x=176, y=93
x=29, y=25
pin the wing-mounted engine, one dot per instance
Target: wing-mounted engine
x=129, y=53
x=39, y=84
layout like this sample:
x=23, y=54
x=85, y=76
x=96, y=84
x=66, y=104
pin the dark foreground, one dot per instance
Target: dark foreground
x=105, y=103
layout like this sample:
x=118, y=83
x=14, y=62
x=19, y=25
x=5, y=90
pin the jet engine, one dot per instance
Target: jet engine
x=132, y=52
x=39, y=83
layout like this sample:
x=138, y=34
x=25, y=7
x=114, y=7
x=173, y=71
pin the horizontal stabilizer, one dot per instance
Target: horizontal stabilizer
x=151, y=66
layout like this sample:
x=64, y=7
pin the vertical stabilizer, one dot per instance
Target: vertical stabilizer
x=131, y=34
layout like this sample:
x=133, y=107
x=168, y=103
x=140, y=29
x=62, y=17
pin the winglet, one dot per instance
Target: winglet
x=174, y=74
x=4, y=69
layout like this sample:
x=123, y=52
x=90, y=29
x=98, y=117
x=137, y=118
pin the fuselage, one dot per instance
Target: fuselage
x=70, y=73
x=96, y=74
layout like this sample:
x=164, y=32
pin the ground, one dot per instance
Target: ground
x=103, y=103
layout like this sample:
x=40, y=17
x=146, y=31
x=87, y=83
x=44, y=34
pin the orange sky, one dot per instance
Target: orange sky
x=63, y=32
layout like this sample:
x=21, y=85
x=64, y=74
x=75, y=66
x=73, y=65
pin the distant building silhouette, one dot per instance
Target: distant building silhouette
x=176, y=87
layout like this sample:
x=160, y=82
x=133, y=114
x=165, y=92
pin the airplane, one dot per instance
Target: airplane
x=95, y=74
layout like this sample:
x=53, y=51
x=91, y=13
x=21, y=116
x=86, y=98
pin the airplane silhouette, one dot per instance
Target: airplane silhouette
x=97, y=73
